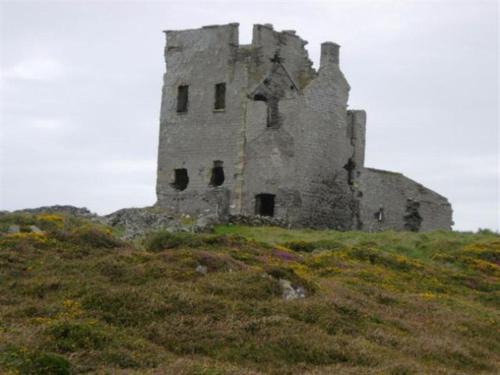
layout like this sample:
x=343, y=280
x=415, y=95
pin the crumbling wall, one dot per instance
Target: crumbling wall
x=281, y=132
x=305, y=153
x=325, y=148
x=193, y=140
x=290, y=48
x=392, y=201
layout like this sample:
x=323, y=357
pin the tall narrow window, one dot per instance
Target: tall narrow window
x=379, y=215
x=182, y=98
x=181, y=179
x=220, y=96
x=264, y=204
x=217, y=178
x=272, y=104
x=350, y=167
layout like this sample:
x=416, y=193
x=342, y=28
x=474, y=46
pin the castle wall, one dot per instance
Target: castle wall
x=284, y=135
x=356, y=120
x=195, y=139
x=302, y=160
x=406, y=204
x=325, y=149
x=291, y=49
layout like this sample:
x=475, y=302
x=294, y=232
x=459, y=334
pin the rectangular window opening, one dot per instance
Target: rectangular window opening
x=182, y=98
x=264, y=204
x=181, y=179
x=217, y=178
x=220, y=96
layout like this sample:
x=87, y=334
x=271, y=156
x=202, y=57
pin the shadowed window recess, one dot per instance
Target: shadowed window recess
x=349, y=167
x=412, y=217
x=181, y=179
x=379, y=215
x=264, y=204
x=182, y=98
x=272, y=117
x=220, y=96
x=217, y=178
x=259, y=98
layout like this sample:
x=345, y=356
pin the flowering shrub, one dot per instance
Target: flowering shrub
x=99, y=237
x=24, y=241
x=50, y=221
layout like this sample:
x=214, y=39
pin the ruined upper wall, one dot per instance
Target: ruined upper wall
x=183, y=45
x=267, y=44
x=288, y=47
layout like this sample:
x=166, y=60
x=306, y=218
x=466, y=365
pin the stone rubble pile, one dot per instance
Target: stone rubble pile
x=256, y=221
x=135, y=222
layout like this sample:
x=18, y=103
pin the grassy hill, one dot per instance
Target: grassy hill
x=76, y=299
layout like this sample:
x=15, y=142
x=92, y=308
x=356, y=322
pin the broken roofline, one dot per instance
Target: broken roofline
x=236, y=25
x=329, y=49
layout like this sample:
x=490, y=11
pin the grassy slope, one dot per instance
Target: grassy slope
x=75, y=299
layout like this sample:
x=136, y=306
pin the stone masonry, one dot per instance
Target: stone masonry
x=255, y=130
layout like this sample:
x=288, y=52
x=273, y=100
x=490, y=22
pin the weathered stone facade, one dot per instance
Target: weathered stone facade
x=255, y=130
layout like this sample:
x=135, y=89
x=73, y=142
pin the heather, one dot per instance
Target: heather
x=74, y=298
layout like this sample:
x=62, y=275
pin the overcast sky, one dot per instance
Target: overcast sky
x=81, y=84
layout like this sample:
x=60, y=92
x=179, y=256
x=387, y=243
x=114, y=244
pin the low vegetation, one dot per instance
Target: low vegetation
x=74, y=298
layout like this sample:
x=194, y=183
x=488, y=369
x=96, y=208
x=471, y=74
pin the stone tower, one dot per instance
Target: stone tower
x=255, y=130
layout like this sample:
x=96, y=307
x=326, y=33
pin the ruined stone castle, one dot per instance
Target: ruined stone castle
x=256, y=130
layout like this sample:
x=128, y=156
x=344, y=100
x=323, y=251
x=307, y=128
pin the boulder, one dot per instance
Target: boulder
x=35, y=229
x=291, y=292
x=202, y=269
x=14, y=229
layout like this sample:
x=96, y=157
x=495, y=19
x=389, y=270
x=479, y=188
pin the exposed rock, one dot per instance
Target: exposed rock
x=60, y=209
x=134, y=222
x=204, y=223
x=137, y=221
x=35, y=229
x=202, y=269
x=257, y=220
x=291, y=292
x=14, y=229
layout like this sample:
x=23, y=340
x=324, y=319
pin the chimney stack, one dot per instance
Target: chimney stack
x=329, y=53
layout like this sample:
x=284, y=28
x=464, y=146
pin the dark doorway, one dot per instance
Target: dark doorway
x=412, y=217
x=182, y=98
x=264, y=204
x=181, y=179
x=217, y=178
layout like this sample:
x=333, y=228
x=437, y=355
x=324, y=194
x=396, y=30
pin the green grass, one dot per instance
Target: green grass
x=76, y=299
